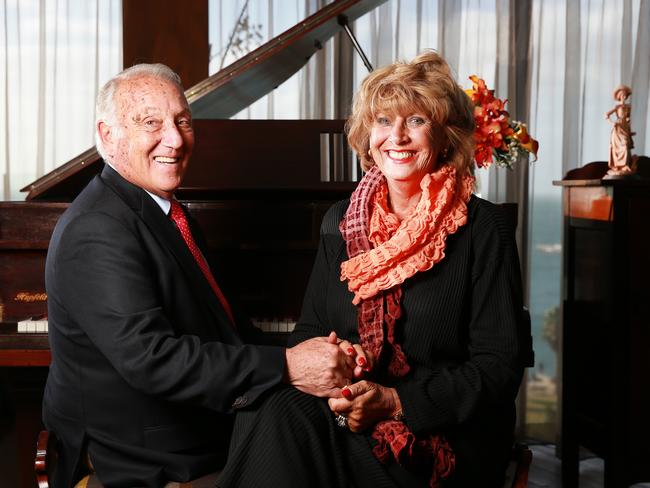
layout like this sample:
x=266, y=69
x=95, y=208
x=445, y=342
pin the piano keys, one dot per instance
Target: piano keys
x=32, y=326
x=24, y=349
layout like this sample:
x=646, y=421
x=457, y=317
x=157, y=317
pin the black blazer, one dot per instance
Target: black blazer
x=146, y=367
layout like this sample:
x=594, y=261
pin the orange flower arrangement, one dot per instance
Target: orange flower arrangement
x=498, y=139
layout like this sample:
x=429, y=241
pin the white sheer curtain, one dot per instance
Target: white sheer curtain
x=54, y=55
x=312, y=92
x=606, y=43
x=579, y=52
x=398, y=29
x=261, y=21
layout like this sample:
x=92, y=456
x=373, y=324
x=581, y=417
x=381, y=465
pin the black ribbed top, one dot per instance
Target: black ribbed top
x=460, y=329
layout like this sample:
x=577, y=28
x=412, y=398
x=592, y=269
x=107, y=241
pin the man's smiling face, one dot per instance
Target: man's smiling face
x=152, y=139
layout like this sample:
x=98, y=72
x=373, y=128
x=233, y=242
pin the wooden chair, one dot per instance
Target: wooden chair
x=46, y=457
x=517, y=472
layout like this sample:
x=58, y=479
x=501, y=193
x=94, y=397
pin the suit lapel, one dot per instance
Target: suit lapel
x=166, y=233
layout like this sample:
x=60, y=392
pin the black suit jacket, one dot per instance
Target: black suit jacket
x=146, y=367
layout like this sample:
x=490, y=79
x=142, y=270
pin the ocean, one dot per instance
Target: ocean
x=545, y=276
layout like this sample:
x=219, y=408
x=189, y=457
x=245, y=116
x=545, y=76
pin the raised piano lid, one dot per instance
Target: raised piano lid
x=225, y=93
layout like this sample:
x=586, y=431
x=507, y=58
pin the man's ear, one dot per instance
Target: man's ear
x=107, y=136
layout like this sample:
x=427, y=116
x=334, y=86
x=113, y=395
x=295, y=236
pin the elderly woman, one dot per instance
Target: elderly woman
x=424, y=276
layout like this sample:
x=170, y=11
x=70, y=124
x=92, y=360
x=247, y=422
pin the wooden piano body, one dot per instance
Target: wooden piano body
x=259, y=204
x=258, y=189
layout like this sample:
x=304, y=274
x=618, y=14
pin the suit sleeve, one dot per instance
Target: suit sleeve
x=435, y=398
x=106, y=282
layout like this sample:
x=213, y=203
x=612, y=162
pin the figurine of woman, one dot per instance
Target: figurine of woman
x=621, y=144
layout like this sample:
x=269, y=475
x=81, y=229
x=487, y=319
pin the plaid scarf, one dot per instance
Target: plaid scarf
x=383, y=252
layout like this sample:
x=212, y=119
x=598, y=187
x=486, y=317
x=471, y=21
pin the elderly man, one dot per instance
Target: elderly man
x=148, y=360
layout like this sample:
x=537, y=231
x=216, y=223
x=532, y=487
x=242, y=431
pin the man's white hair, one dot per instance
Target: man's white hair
x=105, y=106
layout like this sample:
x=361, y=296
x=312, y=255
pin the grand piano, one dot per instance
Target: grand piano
x=259, y=202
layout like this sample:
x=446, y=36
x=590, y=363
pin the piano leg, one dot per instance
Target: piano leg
x=21, y=394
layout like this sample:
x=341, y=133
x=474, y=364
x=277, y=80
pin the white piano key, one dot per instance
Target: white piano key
x=31, y=326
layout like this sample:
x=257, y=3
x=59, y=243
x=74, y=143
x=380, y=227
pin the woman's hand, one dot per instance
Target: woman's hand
x=362, y=360
x=365, y=403
x=321, y=366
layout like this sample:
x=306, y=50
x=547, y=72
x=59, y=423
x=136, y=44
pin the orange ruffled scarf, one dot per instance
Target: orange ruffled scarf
x=383, y=252
x=402, y=249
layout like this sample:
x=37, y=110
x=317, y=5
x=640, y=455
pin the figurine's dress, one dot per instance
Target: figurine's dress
x=620, y=156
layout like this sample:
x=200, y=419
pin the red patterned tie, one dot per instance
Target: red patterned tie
x=178, y=216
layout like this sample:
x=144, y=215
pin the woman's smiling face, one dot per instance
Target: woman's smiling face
x=402, y=146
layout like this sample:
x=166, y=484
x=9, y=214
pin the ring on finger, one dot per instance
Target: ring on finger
x=341, y=421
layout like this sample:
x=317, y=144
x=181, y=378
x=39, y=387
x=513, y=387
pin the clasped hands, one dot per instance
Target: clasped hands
x=326, y=367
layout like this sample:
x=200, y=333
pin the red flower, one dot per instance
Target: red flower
x=497, y=137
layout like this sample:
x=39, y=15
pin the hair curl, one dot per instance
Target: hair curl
x=425, y=85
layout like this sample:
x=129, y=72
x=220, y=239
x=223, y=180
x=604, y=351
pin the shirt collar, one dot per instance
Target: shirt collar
x=164, y=204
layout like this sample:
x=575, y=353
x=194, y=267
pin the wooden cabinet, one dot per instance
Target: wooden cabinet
x=605, y=404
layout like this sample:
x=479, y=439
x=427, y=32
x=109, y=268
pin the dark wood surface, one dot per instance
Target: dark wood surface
x=259, y=155
x=285, y=154
x=21, y=395
x=606, y=338
x=22, y=349
x=150, y=35
x=25, y=229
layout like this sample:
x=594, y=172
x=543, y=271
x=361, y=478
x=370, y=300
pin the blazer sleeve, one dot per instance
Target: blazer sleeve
x=105, y=281
x=435, y=398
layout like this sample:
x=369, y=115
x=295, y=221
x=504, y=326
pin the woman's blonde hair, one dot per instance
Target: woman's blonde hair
x=425, y=86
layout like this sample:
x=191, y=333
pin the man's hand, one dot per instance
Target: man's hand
x=366, y=403
x=319, y=366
